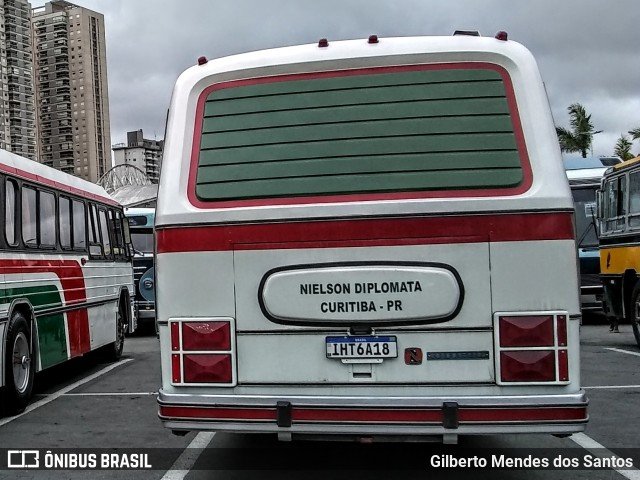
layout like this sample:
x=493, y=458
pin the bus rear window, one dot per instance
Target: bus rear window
x=402, y=130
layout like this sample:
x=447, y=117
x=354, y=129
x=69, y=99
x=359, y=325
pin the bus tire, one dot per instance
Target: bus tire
x=113, y=351
x=19, y=366
x=634, y=318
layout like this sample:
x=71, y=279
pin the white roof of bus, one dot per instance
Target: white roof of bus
x=27, y=169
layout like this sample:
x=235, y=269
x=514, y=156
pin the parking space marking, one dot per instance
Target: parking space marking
x=620, y=350
x=63, y=391
x=599, y=450
x=108, y=394
x=187, y=459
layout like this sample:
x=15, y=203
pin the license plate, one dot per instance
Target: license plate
x=361, y=347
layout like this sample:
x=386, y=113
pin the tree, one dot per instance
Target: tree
x=579, y=138
x=623, y=148
x=635, y=134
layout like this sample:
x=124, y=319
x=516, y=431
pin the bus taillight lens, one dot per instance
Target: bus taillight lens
x=206, y=336
x=531, y=347
x=202, y=351
x=207, y=368
x=528, y=366
x=526, y=331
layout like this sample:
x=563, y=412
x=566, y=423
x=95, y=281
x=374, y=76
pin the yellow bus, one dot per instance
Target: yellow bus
x=619, y=225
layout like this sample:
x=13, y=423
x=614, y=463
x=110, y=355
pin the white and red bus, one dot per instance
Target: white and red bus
x=367, y=238
x=66, y=280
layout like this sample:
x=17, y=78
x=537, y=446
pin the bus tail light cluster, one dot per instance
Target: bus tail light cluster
x=531, y=348
x=202, y=352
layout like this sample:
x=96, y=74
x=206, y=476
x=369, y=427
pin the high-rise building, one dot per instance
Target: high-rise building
x=72, y=99
x=17, y=119
x=142, y=153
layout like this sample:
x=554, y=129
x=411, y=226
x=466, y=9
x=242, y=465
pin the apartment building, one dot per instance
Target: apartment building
x=72, y=99
x=142, y=153
x=17, y=118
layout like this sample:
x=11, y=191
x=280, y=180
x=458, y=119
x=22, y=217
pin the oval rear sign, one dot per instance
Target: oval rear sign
x=348, y=294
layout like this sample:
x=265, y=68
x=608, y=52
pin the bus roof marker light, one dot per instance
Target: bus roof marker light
x=323, y=42
x=471, y=33
x=202, y=60
x=373, y=39
x=502, y=35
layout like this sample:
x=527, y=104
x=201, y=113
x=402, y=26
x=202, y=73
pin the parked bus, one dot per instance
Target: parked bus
x=367, y=238
x=141, y=222
x=619, y=220
x=585, y=175
x=66, y=281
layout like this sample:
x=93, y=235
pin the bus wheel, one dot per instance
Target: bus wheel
x=19, y=371
x=113, y=351
x=634, y=318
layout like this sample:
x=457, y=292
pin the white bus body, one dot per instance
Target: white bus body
x=367, y=238
x=66, y=280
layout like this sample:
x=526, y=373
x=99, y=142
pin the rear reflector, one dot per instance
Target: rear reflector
x=528, y=366
x=202, y=351
x=207, y=368
x=176, y=373
x=206, y=336
x=526, y=331
x=531, y=348
x=562, y=330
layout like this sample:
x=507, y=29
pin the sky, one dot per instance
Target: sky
x=587, y=50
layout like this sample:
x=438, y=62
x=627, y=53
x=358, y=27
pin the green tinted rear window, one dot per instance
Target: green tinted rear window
x=389, y=132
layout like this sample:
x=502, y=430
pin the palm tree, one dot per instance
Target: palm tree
x=635, y=134
x=623, y=148
x=580, y=137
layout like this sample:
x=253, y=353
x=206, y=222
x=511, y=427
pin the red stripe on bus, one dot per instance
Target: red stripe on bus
x=368, y=232
x=72, y=280
x=511, y=101
x=380, y=415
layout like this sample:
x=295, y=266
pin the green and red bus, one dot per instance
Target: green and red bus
x=66, y=279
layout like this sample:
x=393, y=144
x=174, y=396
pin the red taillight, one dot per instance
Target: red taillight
x=202, y=352
x=206, y=336
x=562, y=330
x=531, y=348
x=176, y=372
x=528, y=366
x=526, y=331
x=207, y=368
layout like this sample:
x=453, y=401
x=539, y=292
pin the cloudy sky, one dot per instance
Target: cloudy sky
x=587, y=50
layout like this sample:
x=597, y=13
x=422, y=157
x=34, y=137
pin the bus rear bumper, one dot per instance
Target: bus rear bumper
x=382, y=416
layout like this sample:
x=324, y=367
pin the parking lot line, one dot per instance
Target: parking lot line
x=108, y=394
x=188, y=457
x=63, y=391
x=620, y=350
x=599, y=450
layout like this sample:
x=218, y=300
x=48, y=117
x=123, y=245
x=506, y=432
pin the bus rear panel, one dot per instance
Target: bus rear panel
x=367, y=241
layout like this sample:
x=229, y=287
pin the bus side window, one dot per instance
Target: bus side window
x=10, y=212
x=115, y=224
x=95, y=245
x=29, y=211
x=634, y=199
x=79, y=226
x=47, y=219
x=64, y=219
x=104, y=229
